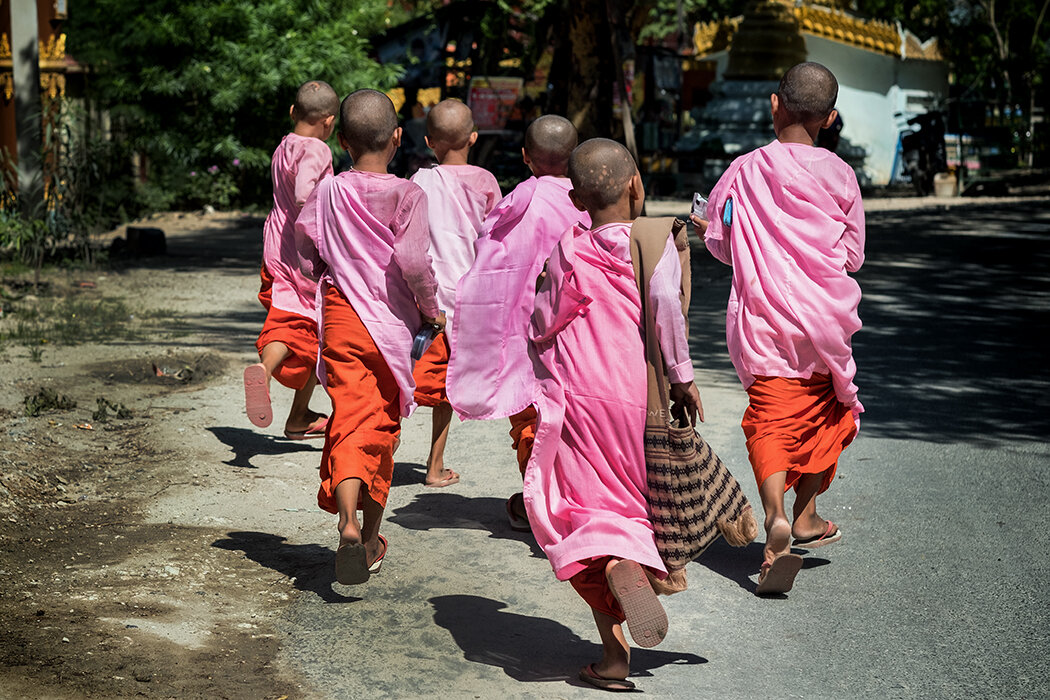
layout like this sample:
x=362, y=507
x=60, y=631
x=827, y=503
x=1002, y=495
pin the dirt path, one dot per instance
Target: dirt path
x=103, y=598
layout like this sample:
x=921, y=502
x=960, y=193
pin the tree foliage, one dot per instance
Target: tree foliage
x=202, y=83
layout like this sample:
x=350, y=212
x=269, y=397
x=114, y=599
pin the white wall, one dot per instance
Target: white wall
x=873, y=88
x=868, y=97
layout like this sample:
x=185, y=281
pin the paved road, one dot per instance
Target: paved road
x=937, y=591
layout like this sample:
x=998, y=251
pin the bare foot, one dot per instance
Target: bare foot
x=441, y=478
x=778, y=539
x=308, y=423
x=808, y=527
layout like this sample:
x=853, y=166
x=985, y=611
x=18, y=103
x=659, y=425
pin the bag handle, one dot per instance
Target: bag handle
x=648, y=240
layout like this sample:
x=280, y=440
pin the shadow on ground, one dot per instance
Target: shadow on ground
x=310, y=567
x=531, y=649
x=954, y=305
x=249, y=443
x=448, y=510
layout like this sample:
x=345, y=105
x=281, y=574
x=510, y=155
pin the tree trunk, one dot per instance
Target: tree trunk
x=592, y=76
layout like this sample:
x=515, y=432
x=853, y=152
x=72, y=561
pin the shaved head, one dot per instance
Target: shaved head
x=600, y=170
x=367, y=120
x=808, y=92
x=549, y=142
x=314, y=101
x=451, y=123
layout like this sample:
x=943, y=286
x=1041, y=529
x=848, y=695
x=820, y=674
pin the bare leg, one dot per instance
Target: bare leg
x=616, y=653
x=806, y=521
x=272, y=355
x=300, y=417
x=437, y=475
x=778, y=529
x=352, y=531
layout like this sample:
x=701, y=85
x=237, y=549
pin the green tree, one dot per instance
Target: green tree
x=998, y=50
x=206, y=84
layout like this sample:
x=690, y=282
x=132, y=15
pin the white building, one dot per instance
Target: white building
x=886, y=74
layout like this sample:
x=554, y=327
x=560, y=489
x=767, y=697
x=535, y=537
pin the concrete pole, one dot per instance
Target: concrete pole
x=25, y=56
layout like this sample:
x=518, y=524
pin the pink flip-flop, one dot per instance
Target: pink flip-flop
x=257, y=396
x=831, y=535
x=375, y=566
x=314, y=431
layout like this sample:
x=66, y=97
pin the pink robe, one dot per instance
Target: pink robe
x=489, y=372
x=298, y=165
x=367, y=233
x=459, y=198
x=797, y=230
x=585, y=486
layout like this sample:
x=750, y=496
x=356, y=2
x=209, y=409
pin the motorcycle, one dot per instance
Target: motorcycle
x=923, y=151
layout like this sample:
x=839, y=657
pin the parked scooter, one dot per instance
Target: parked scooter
x=923, y=152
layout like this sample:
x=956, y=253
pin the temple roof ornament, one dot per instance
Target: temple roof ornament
x=827, y=20
x=53, y=65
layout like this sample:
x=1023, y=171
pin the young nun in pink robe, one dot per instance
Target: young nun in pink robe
x=489, y=374
x=365, y=234
x=789, y=219
x=459, y=197
x=585, y=485
x=287, y=344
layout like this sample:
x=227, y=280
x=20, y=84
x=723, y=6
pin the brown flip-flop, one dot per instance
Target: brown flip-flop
x=646, y=618
x=616, y=685
x=778, y=576
x=351, y=564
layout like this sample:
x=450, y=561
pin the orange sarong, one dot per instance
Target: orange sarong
x=523, y=433
x=366, y=416
x=796, y=425
x=593, y=587
x=429, y=373
x=297, y=332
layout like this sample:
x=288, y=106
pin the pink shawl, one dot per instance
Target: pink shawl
x=797, y=230
x=489, y=373
x=585, y=486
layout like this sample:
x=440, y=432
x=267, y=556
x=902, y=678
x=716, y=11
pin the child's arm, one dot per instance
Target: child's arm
x=316, y=162
x=412, y=254
x=666, y=305
x=853, y=237
x=715, y=231
x=308, y=238
x=688, y=395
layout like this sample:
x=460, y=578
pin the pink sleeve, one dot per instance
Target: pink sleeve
x=412, y=250
x=308, y=237
x=494, y=196
x=316, y=162
x=665, y=301
x=853, y=237
x=716, y=238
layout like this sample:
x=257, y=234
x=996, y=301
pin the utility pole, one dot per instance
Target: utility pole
x=25, y=59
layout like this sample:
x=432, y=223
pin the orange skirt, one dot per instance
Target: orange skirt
x=366, y=416
x=429, y=373
x=523, y=433
x=297, y=332
x=593, y=587
x=265, y=287
x=798, y=426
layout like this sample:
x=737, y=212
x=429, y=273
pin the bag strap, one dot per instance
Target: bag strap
x=648, y=240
